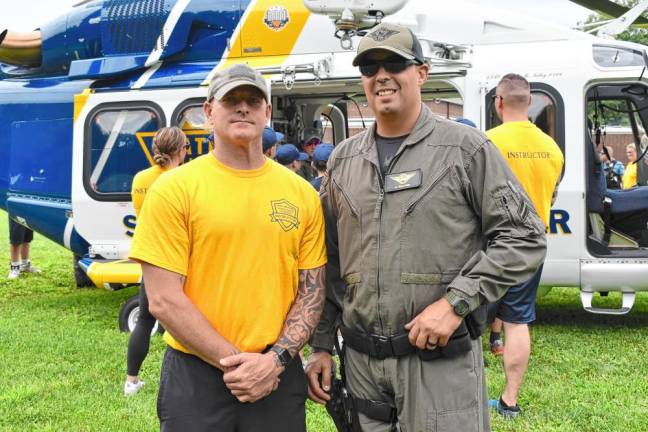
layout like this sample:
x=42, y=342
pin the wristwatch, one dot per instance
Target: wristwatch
x=283, y=355
x=459, y=305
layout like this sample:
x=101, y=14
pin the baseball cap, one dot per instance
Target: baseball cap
x=270, y=138
x=238, y=75
x=391, y=37
x=322, y=152
x=465, y=121
x=312, y=133
x=288, y=153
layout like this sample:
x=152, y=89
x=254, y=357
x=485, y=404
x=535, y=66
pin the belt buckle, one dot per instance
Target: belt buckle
x=378, y=343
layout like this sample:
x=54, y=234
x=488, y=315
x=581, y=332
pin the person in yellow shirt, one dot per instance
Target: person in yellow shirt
x=232, y=251
x=537, y=162
x=169, y=151
x=630, y=175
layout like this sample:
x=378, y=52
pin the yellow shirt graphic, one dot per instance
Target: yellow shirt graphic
x=239, y=237
x=630, y=176
x=141, y=184
x=534, y=158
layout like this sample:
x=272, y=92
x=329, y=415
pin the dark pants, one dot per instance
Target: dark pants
x=19, y=234
x=193, y=397
x=140, y=338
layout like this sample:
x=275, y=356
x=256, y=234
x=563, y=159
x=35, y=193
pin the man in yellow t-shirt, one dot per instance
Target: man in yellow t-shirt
x=537, y=162
x=232, y=250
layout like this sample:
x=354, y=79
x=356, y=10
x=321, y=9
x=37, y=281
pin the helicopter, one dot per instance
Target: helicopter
x=82, y=96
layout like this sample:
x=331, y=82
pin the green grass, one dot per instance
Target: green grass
x=62, y=361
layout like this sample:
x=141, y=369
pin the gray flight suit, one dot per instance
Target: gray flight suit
x=457, y=221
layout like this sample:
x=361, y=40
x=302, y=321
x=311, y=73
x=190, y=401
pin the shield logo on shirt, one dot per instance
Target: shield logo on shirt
x=285, y=214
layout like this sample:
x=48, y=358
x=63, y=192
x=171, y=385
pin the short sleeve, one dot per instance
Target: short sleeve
x=137, y=194
x=162, y=232
x=312, y=250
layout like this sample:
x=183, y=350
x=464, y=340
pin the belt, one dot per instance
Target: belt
x=382, y=347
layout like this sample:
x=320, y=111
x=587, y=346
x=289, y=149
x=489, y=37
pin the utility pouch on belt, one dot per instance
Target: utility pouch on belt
x=476, y=321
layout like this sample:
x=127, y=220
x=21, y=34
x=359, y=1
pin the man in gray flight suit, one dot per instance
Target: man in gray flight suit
x=425, y=224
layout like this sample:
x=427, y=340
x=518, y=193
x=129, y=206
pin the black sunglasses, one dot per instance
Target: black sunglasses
x=393, y=66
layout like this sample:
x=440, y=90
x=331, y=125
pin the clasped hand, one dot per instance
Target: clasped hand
x=251, y=376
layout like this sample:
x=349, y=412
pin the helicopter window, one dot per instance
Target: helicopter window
x=190, y=117
x=118, y=145
x=617, y=123
x=546, y=111
x=611, y=56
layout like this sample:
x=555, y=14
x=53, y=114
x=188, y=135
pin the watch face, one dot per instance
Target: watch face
x=461, y=308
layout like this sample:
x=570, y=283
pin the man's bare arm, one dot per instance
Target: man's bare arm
x=305, y=311
x=169, y=304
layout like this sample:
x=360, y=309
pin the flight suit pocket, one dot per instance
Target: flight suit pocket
x=518, y=210
x=349, y=226
x=351, y=281
x=464, y=420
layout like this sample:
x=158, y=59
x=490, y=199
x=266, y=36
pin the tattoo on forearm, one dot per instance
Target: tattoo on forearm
x=304, y=315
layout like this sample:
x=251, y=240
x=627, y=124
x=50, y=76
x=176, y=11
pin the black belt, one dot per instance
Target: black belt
x=382, y=347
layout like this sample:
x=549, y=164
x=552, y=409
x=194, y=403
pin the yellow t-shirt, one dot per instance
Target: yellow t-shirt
x=141, y=183
x=239, y=237
x=534, y=158
x=630, y=176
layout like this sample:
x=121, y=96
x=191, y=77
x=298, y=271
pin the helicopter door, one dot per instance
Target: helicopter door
x=111, y=144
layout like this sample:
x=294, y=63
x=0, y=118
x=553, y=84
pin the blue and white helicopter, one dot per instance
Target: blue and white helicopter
x=82, y=96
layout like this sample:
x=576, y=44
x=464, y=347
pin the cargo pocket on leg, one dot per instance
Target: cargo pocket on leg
x=464, y=420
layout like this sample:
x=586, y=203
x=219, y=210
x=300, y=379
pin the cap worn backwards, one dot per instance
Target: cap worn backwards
x=391, y=37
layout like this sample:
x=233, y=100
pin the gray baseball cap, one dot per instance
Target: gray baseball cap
x=391, y=37
x=238, y=75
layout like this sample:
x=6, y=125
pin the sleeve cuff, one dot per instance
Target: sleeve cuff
x=323, y=342
x=454, y=290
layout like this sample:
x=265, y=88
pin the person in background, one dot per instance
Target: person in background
x=291, y=158
x=613, y=168
x=320, y=158
x=537, y=162
x=312, y=138
x=169, y=151
x=20, y=238
x=270, y=140
x=466, y=121
x=630, y=176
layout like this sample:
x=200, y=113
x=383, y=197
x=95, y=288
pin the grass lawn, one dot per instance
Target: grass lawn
x=63, y=361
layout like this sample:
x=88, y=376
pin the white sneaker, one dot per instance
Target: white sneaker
x=14, y=272
x=130, y=388
x=28, y=268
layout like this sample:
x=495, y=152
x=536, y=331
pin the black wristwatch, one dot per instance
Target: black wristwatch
x=459, y=305
x=282, y=354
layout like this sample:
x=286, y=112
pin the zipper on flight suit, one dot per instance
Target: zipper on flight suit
x=378, y=215
x=427, y=190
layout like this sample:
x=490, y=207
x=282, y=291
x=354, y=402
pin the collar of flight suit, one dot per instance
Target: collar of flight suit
x=424, y=126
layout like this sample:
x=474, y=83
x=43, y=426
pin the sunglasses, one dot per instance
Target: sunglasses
x=392, y=66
